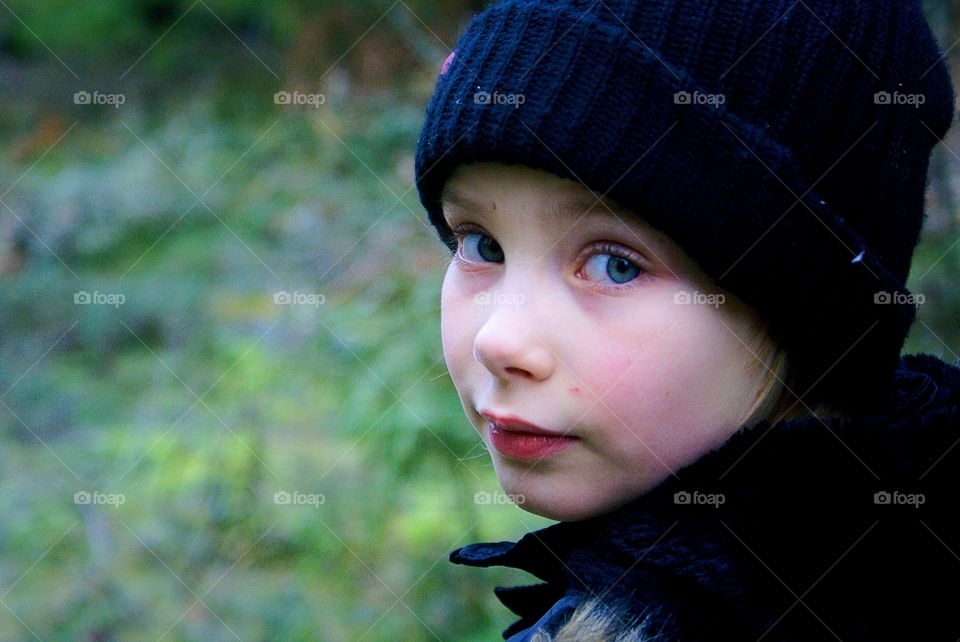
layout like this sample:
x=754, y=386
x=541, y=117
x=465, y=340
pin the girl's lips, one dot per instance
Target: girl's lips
x=512, y=423
x=527, y=445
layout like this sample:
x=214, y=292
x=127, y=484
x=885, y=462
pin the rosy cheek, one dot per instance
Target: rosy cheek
x=608, y=386
x=460, y=321
x=456, y=345
x=605, y=364
x=638, y=392
x=454, y=330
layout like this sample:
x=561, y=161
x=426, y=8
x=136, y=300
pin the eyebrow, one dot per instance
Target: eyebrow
x=556, y=212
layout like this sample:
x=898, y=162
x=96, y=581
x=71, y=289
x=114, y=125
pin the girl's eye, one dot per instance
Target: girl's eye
x=605, y=260
x=477, y=247
x=610, y=262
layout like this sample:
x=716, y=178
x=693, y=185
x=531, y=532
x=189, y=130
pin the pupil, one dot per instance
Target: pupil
x=618, y=265
x=486, y=247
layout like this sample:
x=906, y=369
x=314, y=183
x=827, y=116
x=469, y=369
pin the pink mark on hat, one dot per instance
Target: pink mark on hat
x=446, y=63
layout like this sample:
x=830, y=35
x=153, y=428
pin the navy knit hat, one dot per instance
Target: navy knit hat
x=783, y=144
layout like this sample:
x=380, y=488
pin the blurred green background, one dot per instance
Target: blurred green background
x=185, y=455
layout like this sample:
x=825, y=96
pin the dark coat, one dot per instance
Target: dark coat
x=845, y=528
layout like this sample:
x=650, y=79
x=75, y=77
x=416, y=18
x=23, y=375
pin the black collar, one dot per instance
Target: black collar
x=780, y=533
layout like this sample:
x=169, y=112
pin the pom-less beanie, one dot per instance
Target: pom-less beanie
x=783, y=144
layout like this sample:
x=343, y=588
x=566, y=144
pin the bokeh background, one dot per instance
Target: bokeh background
x=224, y=411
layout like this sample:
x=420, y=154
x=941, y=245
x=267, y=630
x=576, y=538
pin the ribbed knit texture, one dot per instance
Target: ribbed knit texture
x=800, y=192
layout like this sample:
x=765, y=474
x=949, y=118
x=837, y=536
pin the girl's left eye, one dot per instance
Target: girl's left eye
x=608, y=261
x=604, y=260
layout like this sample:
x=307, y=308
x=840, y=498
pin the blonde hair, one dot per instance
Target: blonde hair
x=778, y=397
x=776, y=400
x=594, y=621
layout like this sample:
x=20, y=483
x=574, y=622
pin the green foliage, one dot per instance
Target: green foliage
x=199, y=398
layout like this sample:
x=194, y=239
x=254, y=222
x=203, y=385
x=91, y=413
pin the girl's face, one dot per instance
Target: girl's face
x=589, y=324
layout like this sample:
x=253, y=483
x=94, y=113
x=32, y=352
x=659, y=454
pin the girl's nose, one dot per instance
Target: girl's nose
x=508, y=344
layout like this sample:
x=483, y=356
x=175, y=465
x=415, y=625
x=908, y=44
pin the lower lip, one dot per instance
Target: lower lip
x=527, y=445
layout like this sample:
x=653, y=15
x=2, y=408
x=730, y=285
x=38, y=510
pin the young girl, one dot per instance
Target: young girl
x=680, y=235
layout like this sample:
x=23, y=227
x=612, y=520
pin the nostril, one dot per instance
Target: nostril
x=518, y=371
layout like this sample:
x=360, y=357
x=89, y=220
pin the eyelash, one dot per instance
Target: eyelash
x=602, y=247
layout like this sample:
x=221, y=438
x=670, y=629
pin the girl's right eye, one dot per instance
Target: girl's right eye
x=475, y=246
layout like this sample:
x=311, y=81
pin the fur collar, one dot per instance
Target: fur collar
x=783, y=537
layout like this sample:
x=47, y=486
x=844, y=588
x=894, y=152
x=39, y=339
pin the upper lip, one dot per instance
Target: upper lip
x=512, y=423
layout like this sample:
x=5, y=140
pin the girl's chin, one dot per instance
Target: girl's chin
x=551, y=500
x=558, y=511
x=559, y=496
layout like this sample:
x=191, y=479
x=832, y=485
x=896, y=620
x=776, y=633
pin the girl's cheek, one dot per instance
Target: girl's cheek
x=624, y=354
x=456, y=321
x=611, y=374
x=634, y=375
x=610, y=382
